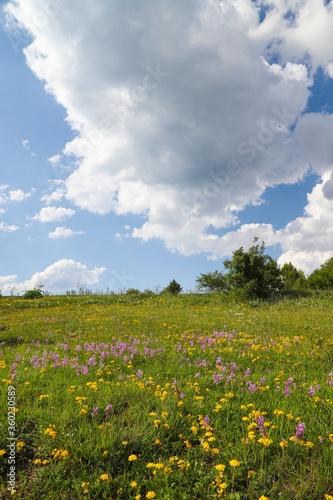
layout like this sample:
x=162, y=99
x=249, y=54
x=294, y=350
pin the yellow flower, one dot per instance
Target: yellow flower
x=104, y=477
x=328, y=497
x=50, y=431
x=43, y=396
x=133, y=484
x=2, y=452
x=20, y=445
x=124, y=443
x=137, y=497
x=220, y=467
x=151, y=494
x=263, y=497
x=283, y=443
x=83, y=411
x=131, y=458
x=234, y=463
x=265, y=441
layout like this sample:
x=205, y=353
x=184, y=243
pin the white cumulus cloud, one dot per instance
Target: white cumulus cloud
x=185, y=112
x=63, y=232
x=53, y=214
x=58, y=277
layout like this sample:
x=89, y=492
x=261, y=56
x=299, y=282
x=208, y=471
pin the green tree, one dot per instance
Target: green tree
x=212, y=282
x=322, y=277
x=292, y=277
x=173, y=287
x=254, y=273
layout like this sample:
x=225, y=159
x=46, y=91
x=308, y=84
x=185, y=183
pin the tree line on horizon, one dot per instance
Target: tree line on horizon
x=251, y=274
x=254, y=274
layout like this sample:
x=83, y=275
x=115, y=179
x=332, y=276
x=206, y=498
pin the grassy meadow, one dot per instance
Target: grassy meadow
x=186, y=397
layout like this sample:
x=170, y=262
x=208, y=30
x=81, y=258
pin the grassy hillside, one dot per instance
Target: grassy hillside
x=187, y=397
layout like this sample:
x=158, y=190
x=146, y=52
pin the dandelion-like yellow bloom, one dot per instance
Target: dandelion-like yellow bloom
x=50, y=431
x=104, y=477
x=263, y=497
x=43, y=396
x=20, y=445
x=328, y=497
x=133, y=484
x=283, y=444
x=234, y=463
x=132, y=458
x=265, y=441
x=220, y=467
x=2, y=452
x=151, y=494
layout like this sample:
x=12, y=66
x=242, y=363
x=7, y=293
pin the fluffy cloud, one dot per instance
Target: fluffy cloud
x=307, y=241
x=63, y=232
x=13, y=195
x=186, y=111
x=58, y=277
x=53, y=214
x=7, y=228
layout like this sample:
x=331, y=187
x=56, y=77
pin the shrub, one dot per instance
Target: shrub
x=33, y=294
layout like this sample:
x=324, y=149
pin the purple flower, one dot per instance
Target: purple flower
x=139, y=373
x=206, y=420
x=300, y=430
x=95, y=412
x=252, y=387
x=217, y=378
x=108, y=411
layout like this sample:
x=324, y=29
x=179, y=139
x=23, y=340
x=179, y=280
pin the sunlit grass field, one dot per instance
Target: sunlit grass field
x=187, y=397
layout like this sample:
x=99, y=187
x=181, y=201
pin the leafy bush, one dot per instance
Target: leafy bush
x=36, y=293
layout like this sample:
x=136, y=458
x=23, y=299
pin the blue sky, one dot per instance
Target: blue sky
x=145, y=142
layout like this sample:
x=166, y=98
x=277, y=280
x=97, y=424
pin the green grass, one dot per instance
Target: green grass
x=191, y=383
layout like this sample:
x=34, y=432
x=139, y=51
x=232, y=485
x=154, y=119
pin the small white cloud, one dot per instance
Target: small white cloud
x=54, y=160
x=14, y=195
x=7, y=228
x=25, y=144
x=57, y=195
x=53, y=214
x=58, y=277
x=18, y=195
x=63, y=232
